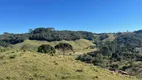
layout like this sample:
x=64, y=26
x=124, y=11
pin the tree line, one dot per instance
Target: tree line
x=44, y=34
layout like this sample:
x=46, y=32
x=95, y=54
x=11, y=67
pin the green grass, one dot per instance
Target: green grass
x=19, y=65
x=79, y=46
x=111, y=37
x=35, y=66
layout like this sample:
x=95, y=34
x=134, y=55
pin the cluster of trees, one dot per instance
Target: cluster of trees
x=45, y=48
x=103, y=36
x=64, y=47
x=44, y=34
x=4, y=44
x=100, y=39
x=127, y=47
x=9, y=38
x=53, y=35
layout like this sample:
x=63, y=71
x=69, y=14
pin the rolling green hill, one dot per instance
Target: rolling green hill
x=114, y=51
x=34, y=66
x=81, y=45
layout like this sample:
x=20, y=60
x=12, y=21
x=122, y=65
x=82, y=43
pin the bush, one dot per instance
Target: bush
x=86, y=58
x=64, y=47
x=4, y=44
x=95, y=58
x=46, y=49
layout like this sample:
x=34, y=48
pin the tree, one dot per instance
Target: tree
x=103, y=36
x=50, y=34
x=100, y=61
x=46, y=49
x=45, y=34
x=63, y=47
x=13, y=38
x=4, y=44
x=86, y=58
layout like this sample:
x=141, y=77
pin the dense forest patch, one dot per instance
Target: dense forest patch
x=44, y=34
x=120, y=54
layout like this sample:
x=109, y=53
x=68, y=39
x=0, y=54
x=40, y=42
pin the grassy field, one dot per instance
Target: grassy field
x=111, y=37
x=30, y=65
x=35, y=66
x=78, y=45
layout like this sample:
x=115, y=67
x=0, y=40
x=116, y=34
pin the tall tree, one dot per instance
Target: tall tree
x=64, y=47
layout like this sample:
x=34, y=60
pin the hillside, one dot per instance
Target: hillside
x=81, y=45
x=34, y=66
x=120, y=52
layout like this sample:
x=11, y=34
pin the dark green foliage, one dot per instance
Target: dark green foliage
x=138, y=32
x=9, y=38
x=64, y=47
x=103, y=36
x=99, y=60
x=46, y=49
x=94, y=58
x=129, y=40
x=4, y=44
x=99, y=39
x=50, y=34
x=44, y=34
x=127, y=47
x=42, y=30
x=86, y=58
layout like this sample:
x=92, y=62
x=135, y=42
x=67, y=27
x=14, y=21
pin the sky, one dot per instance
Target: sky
x=18, y=16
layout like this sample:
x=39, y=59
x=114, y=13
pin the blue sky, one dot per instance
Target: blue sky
x=19, y=16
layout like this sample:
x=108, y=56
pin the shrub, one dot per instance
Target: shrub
x=95, y=58
x=46, y=49
x=86, y=58
x=64, y=47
